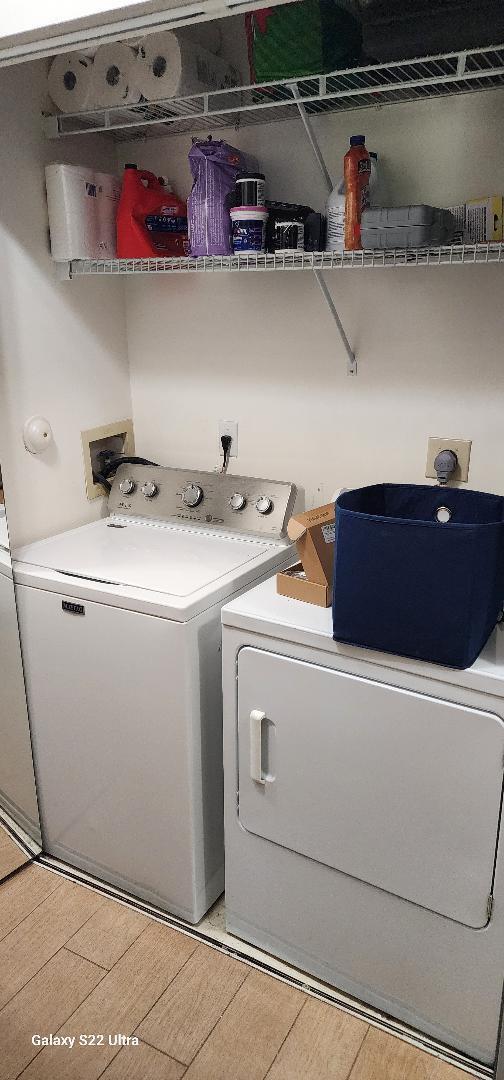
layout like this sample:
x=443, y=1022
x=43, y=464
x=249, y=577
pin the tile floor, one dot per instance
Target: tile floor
x=11, y=856
x=73, y=963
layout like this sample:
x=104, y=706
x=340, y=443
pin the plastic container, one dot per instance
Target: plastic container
x=151, y=220
x=335, y=208
x=407, y=226
x=249, y=229
x=335, y=214
x=250, y=189
x=357, y=171
x=314, y=232
x=410, y=582
x=374, y=178
x=286, y=227
x=290, y=226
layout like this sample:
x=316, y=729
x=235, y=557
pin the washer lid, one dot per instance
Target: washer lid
x=160, y=558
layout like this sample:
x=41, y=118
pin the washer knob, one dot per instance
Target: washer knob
x=192, y=495
x=237, y=501
x=127, y=486
x=149, y=489
x=264, y=504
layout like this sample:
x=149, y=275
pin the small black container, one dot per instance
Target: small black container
x=286, y=234
x=315, y=232
x=250, y=189
x=293, y=227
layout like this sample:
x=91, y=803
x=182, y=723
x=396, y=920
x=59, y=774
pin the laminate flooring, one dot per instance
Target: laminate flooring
x=11, y=856
x=86, y=969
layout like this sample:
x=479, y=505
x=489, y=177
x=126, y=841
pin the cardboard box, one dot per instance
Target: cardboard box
x=293, y=583
x=479, y=221
x=311, y=580
x=484, y=220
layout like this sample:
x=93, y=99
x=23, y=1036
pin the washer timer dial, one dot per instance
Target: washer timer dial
x=192, y=495
x=127, y=486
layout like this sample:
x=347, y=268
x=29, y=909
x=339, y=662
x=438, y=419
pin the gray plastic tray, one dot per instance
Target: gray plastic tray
x=404, y=216
x=414, y=237
x=407, y=227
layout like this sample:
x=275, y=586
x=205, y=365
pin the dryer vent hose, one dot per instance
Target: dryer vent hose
x=111, y=463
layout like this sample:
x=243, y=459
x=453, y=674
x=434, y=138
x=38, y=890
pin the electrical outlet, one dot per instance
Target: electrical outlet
x=460, y=447
x=118, y=438
x=229, y=427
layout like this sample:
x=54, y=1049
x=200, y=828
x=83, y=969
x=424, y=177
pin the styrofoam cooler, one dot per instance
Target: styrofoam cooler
x=419, y=571
x=82, y=205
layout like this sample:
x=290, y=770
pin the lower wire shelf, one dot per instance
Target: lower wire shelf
x=454, y=255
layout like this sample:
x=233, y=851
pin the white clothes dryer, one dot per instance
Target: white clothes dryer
x=363, y=816
x=120, y=627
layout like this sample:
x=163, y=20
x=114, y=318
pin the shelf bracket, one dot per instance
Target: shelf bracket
x=352, y=360
x=307, y=124
x=312, y=138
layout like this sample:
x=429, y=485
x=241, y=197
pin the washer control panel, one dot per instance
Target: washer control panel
x=241, y=503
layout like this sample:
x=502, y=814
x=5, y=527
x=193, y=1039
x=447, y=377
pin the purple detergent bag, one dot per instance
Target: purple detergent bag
x=214, y=166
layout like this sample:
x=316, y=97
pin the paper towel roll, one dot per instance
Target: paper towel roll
x=170, y=65
x=114, y=75
x=69, y=82
x=82, y=205
x=207, y=34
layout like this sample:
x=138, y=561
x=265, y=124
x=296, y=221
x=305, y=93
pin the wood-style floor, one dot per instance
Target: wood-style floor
x=73, y=963
x=11, y=856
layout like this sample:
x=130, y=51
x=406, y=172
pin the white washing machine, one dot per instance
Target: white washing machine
x=17, y=788
x=363, y=816
x=4, y=535
x=120, y=627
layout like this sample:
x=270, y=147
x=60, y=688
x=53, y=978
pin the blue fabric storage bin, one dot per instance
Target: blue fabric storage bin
x=406, y=583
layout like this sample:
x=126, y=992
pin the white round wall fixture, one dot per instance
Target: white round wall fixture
x=37, y=434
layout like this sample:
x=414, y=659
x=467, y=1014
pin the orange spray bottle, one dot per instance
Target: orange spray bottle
x=357, y=172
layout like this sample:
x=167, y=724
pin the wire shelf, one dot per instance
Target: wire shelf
x=354, y=88
x=456, y=255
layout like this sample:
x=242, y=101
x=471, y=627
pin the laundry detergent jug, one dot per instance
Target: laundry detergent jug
x=151, y=219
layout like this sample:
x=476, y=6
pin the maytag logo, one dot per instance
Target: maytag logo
x=73, y=609
x=91, y=190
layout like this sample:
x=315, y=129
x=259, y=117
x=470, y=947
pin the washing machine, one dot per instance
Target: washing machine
x=363, y=817
x=120, y=628
x=18, y=800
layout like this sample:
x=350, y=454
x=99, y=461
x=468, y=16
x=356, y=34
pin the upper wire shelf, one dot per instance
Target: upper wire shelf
x=455, y=255
x=353, y=88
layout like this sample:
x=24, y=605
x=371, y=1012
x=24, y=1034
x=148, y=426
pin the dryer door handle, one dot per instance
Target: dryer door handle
x=256, y=732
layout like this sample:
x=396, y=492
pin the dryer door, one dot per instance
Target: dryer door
x=398, y=789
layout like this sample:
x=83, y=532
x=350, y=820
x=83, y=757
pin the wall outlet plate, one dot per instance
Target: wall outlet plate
x=229, y=427
x=461, y=447
x=117, y=437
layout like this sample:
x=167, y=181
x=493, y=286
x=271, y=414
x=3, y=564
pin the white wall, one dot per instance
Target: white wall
x=262, y=348
x=63, y=344
x=18, y=18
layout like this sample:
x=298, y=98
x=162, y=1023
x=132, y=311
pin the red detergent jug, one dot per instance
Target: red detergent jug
x=151, y=220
